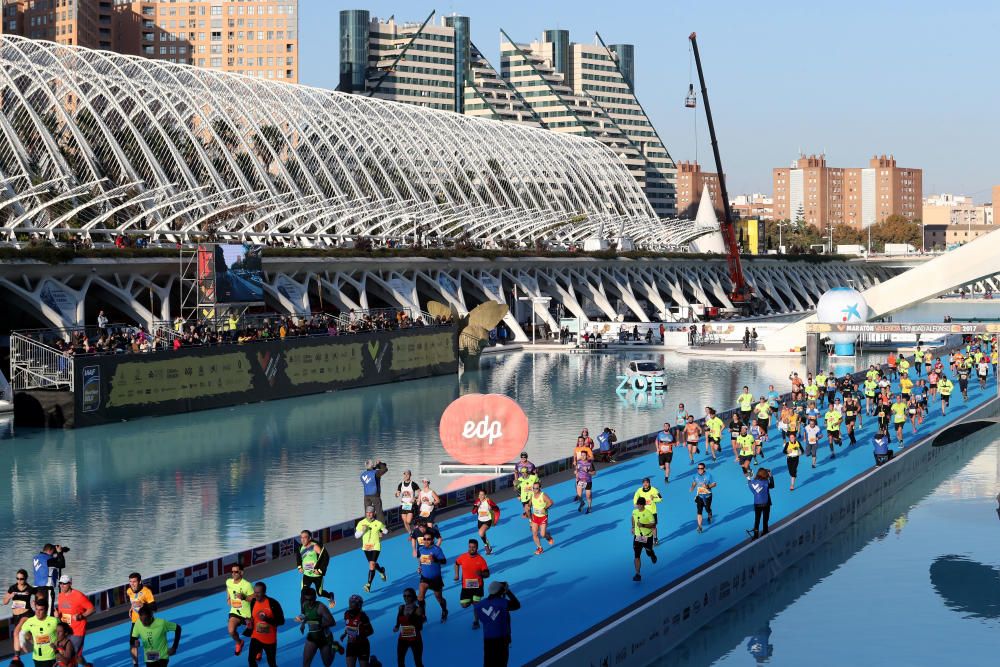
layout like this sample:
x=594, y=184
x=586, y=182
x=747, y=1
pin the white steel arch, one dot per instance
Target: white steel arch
x=137, y=146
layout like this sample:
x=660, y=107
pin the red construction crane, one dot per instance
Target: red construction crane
x=742, y=294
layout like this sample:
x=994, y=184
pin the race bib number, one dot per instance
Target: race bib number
x=368, y=547
x=406, y=507
x=407, y=631
x=538, y=511
x=236, y=603
x=472, y=583
x=67, y=618
x=352, y=633
x=425, y=513
x=642, y=539
x=485, y=515
x=42, y=640
x=152, y=656
x=426, y=559
x=136, y=605
x=263, y=628
x=309, y=566
x=17, y=605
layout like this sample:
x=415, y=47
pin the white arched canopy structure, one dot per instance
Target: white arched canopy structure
x=103, y=144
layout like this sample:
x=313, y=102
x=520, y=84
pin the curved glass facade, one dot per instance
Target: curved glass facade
x=100, y=144
x=353, y=49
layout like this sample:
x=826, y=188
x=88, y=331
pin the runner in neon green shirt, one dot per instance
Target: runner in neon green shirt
x=713, y=426
x=833, y=418
x=152, y=634
x=898, y=409
x=370, y=531
x=745, y=401
x=238, y=594
x=39, y=632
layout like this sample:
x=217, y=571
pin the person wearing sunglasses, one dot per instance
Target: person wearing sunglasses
x=18, y=596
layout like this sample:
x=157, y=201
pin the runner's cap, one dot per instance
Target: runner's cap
x=65, y=579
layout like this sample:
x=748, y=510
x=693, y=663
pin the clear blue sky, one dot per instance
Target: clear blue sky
x=918, y=79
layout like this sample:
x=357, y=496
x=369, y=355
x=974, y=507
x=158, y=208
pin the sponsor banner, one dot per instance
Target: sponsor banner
x=487, y=429
x=116, y=387
x=56, y=296
x=903, y=328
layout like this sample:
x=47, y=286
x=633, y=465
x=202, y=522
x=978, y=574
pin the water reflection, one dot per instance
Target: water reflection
x=967, y=586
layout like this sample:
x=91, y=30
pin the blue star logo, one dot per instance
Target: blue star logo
x=851, y=310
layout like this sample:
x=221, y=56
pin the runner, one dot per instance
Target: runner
x=702, y=485
x=266, y=615
x=138, y=595
x=773, y=398
x=745, y=401
x=759, y=438
x=821, y=387
x=833, y=419
x=427, y=502
x=151, y=633
x=913, y=412
x=798, y=387
x=682, y=417
x=928, y=361
x=852, y=415
x=370, y=531
x=884, y=414
x=38, y=634
x=318, y=620
x=982, y=371
x=964, y=371
x=793, y=450
x=643, y=525
x=734, y=426
x=665, y=450
x=487, y=515
x=762, y=412
x=831, y=387
x=357, y=629
x=540, y=504
x=410, y=621
x=904, y=367
x=891, y=363
x=417, y=536
x=431, y=558
x=747, y=446
x=523, y=464
x=692, y=434
x=585, y=472
x=713, y=427
x=312, y=560
x=407, y=491
x=898, y=409
x=238, y=594
x=582, y=451
x=812, y=389
x=65, y=651
x=919, y=392
x=525, y=481
x=870, y=387
x=784, y=421
x=585, y=434
x=653, y=498
x=74, y=608
x=472, y=569
x=932, y=383
x=812, y=439
x=946, y=386
x=19, y=598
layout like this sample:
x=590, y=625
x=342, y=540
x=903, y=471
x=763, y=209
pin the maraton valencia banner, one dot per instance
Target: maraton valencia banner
x=170, y=382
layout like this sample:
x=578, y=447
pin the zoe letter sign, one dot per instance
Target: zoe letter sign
x=484, y=429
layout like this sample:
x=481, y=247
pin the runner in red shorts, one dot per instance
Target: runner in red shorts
x=540, y=504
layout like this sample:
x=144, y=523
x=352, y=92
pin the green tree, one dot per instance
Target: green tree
x=895, y=229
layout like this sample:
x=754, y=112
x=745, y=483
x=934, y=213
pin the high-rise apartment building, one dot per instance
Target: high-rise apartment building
x=551, y=83
x=691, y=182
x=817, y=194
x=254, y=37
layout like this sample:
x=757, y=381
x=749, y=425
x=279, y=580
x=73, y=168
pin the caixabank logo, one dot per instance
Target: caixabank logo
x=484, y=429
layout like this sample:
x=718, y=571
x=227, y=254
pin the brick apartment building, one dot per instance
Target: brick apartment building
x=691, y=181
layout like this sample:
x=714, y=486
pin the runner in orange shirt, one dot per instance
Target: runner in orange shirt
x=266, y=615
x=471, y=569
x=692, y=434
x=73, y=609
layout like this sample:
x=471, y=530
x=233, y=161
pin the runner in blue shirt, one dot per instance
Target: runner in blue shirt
x=773, y=398
x=702, y=484
x=431, y=558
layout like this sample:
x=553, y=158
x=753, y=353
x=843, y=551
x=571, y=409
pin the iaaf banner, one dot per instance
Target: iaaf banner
x=903, y=328
x=116, y=387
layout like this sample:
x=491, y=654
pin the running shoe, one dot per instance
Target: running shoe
x=710, y=517
x=579, y=508
x=239, y=647
x=652, y=558
x=636, y=578
x=550, y=540
x=368, y=588
x=444, y=615
x=699, y=529
x=489, y=550
x=588, y=511
x=385, y=577
x=538, y=551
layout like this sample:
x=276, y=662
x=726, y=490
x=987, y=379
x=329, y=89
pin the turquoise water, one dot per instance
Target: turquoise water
x=916, y=583
x=170, y=491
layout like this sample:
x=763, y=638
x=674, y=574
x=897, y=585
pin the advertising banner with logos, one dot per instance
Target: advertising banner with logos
x=484, y=429
x=116, y=387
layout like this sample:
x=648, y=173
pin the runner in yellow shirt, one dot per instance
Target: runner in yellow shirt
x=713, y=427
x=238, y=594
x=652, y=497
x=370, y=531
x=833, y=418
x=898, y=409
x=138, y=595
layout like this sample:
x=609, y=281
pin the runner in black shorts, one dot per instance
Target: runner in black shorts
x=357, y=631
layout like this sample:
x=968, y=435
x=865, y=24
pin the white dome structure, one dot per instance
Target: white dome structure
x=711, y=240
x=842, y=305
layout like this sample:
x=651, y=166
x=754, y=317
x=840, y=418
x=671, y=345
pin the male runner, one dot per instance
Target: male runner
x=812, y=439
x=665, y=450
x=431, y=558
x=312, y=560
x=692, y=435
x=152, y=634
x=473, y=569
x=870, y=387
x=407, y=491
x=833, y=419
x=524, y=484
x=266, y=615
x=821, y=386
x=653, y=497
x=946, y=387
x=643, y=525
x=74, y=608
x=38, y=634
x=370, y=531
x=585, y=472
x=540, y=503
x=713, y=427
x=745, y=401
x=138, y=595
x=487, y=515
x=964, y=371
x=318, y=620
x=523, y=464
x=747, y=446
x=852, y=415
x=703, y=483
x=238, y=594
x=417, y=536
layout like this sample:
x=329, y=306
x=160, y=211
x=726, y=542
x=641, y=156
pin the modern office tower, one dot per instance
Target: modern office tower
x=817, y=194
x=589, y=89
x=258, y=38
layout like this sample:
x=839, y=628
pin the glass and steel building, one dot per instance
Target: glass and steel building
x=100, y=144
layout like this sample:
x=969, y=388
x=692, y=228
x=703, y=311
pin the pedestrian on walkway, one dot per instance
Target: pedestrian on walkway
x=760, y=486
x=493, y=613
x=371, y=482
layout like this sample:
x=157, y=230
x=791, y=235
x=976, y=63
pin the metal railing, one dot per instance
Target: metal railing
x=35, y=365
